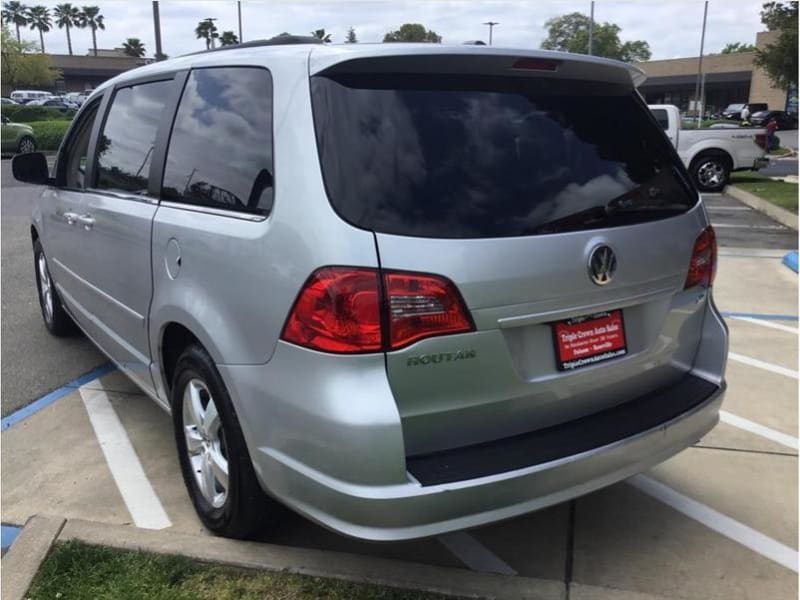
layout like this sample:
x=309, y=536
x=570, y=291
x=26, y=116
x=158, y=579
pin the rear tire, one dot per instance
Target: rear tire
x=711, y=171
x=214, y=458
x=26, y=145
x=56, y=319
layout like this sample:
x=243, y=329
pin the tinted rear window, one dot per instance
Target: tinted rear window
x=458, y=157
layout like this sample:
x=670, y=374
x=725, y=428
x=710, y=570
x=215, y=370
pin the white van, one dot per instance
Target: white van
x=25, y=96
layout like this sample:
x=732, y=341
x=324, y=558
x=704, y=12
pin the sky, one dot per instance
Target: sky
x=671, y=27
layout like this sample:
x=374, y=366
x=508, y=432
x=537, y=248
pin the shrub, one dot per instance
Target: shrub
x=49, y=134
x=21, y=113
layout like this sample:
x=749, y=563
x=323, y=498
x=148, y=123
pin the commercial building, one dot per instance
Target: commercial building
x=729, y=79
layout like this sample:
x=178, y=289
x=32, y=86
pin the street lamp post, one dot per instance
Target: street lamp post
x=239, y=7
x=491, y=25
x=211, y=22
x=157, y=28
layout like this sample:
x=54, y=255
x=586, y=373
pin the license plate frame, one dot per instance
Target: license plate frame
x=577, y=340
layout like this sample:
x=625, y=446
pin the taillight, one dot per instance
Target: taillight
x=703, y=264
x=761, y=140
x=345, y=310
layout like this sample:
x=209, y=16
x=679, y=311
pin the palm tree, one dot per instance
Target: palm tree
x=321, y=35
x=16, y=13
x=133, y=47
x=39, y=18
x=207, y=31
x=228, y=38
x=67, y=16
x=90, y=17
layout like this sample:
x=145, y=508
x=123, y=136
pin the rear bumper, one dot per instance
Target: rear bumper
x=413, y=510
x=760, y=163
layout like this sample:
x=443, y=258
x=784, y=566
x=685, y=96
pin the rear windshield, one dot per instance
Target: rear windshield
x=477, y=157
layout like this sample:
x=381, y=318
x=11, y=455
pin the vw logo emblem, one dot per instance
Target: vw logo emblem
x=602, y=265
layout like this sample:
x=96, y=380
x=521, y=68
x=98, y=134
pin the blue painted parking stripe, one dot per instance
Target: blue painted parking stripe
x=37, y=405
x=767, y=316
x=790, y=260
x=9, y=534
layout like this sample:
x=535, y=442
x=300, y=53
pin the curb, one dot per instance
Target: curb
x=781, y=215
x=317, y=563
x=23, y=559
x=790, y=260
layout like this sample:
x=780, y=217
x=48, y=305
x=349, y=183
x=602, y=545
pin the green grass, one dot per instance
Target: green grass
x=49, y=134
x=779, y=151
x=780, y=193
x=75, y=570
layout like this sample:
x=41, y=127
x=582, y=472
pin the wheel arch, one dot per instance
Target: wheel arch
x=174, y=336
x=713, y=150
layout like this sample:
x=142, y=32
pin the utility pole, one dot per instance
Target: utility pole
x=591, y=28
x=157, y=27
x=239, y=7
x=697, y=98
x=491, y=25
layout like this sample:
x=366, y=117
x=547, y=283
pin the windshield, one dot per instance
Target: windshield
x=478, y=156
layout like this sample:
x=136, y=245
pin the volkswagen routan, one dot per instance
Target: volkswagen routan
x=400, y=289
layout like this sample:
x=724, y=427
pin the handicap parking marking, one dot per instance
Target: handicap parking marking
x=719, y=522
x=473, y=554
x=760, y=364
x=753, y=427
x=766, y=323
x=138, y=494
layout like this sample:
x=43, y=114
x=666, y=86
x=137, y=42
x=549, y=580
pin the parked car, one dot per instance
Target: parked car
x=785, y=121
x=465, y=286
x=734, y=111
x=25, y=96
x=7, y=101
x=16, y=137
x=711, y=154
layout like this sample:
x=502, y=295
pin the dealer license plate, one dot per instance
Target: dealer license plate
x=587, y=340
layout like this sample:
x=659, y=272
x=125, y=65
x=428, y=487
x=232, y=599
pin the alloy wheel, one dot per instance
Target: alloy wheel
x=45, y=287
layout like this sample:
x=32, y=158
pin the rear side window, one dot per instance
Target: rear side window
x=125, y=146
x=661, y=116
x=480, y=156
x=220, y=152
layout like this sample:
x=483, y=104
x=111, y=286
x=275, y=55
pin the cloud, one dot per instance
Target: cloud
x=672, y=28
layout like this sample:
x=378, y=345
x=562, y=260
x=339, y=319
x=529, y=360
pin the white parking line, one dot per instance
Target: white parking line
x=754, y=362
x=753, y=427
x=769, y=324
x=713, y=208
x=474, y=554
x=764, y=227
x=723, y=524
x=134, y=487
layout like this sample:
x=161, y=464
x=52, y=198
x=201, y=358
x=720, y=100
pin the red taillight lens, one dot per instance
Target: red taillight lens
x=761, y=140
x=703, y=265
x=422, y=306
x=342, y=310
x=338, y=310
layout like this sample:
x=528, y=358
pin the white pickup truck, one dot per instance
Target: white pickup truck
x=711, y=154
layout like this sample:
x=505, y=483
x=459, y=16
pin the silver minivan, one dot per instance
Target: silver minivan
x=401, y=289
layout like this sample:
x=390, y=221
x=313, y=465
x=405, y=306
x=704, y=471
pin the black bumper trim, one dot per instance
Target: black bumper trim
x=563, y=440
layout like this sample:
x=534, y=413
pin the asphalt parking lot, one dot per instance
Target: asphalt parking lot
x=717, y=521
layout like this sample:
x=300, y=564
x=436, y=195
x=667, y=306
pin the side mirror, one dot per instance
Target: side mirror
x=31, y=168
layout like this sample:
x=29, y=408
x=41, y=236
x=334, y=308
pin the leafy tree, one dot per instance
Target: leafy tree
x=228, y=38
x=90, y=17
x=206, y=30
x=21, y=65
x=67, y=16
x=570, y=33
x=39, y=18
x=16, y=13
x=351, y=37
x=779, y=59
x=413, y=32
x=736, y=47
x=321, y=35
x=133, y=47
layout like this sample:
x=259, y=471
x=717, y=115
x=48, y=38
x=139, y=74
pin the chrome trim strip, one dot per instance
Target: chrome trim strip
x=144, y=198
x=220, y=212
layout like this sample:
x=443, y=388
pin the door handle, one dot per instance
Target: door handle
x=71, y=217
x=87, y=221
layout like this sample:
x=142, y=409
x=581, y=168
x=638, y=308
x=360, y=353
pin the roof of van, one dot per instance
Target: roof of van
x=405, y=56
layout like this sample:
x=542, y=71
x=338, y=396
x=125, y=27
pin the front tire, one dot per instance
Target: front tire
x=214, y=459
x=56, y=319
x=711, y=171
x=26, y=145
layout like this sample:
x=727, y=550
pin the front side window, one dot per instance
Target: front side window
x=220, y=152
x=77, y=150
x=126, y=143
